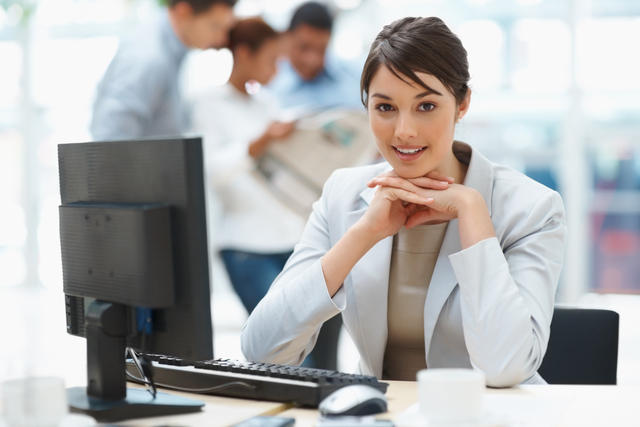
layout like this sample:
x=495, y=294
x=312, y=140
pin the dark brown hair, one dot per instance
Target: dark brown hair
x=251, y=32
x=313, y=14
x=200, y=6
x=411, y=45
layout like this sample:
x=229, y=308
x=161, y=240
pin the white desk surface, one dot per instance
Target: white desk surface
x=523, y=406
x=400, y=395
x=218, y=411
x=528, y=405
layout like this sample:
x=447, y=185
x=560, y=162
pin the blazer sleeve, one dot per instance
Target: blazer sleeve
x=284, y=326
x=507, y=294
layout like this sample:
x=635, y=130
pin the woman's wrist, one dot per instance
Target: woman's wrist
x=474, y=222
x=340, y=259
x=257, y=147
x=367, y=232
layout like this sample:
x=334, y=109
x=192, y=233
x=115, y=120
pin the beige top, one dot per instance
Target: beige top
x=413, y=259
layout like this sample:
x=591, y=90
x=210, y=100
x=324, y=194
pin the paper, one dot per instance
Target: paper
x=296, y=168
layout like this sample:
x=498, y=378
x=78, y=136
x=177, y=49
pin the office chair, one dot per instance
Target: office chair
x=583, y=347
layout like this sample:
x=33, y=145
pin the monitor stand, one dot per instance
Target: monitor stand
x=106, y=397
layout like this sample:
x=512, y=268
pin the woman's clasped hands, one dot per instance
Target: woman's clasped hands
x=409, y=202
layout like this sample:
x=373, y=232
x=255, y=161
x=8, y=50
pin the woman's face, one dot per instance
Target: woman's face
x=413, y=126
x=261, y=64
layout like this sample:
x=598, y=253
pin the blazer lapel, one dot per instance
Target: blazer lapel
x=369, y=281
x=443, y=281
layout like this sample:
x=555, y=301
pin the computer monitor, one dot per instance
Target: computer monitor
x=135, y=264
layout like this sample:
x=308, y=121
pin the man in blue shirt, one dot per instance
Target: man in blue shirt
x=139, y=94
x=312, y=80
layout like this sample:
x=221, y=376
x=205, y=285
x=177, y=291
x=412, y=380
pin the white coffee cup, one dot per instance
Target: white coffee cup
x=34, y=401
x=449, y=397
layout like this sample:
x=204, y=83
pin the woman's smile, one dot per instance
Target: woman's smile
x=409, y=153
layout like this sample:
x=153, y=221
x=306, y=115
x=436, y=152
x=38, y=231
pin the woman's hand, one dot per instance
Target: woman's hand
x=280, y=130
x=275, y=130
x=454, y=201
x=395, y=203
x=387, y=212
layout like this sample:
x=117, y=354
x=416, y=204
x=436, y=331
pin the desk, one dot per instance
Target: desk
x=523, y=406
x=400, y=395
x=218, y=411
x=527, y=405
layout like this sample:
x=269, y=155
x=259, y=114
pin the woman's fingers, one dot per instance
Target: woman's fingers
x=407, y=196
x=394, y=182
x=423, y=216
x=419, y=217
x=421, y=182
x=426, y=182
x=390, y=173
x=411, y=208
x=440, y=177
x=432, y=176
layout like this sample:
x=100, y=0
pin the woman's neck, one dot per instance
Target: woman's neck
x=237, y=80
x=459, y=170
x=455, y=169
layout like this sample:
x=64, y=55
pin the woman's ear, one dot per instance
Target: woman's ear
x=463, y=107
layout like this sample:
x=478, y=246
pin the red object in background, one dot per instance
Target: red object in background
x=616, y=261
x=620, y=242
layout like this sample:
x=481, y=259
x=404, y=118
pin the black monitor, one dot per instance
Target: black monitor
x=135, y=264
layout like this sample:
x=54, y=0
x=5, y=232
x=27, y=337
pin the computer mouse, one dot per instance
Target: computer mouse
x=357, y=399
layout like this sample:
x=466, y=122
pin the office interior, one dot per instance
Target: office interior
x=555, y=95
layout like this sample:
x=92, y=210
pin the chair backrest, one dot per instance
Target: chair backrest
x=583, y=347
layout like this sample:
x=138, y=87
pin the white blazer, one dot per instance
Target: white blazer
x=488, y=306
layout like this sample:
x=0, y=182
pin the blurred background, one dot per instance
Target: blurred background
x=556, y=92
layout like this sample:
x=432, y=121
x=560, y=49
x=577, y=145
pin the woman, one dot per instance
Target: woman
x=437, y=258
x=256, y=232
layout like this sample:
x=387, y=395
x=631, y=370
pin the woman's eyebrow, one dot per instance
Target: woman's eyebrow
x=420, y=95
x=429, y=91
x=379, y=95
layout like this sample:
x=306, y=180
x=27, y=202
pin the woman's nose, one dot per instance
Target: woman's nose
x=405, y=127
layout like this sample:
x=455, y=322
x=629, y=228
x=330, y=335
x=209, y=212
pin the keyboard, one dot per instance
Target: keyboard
x=263, y=381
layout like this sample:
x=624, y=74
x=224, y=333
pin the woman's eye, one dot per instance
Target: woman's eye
x=426, y=106
x=384, y=107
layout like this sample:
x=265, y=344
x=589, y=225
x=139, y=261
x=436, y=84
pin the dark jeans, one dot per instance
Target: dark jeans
x=325, y=354
x=251, y=275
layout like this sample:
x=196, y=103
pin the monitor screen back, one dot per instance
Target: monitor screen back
x=154, y=171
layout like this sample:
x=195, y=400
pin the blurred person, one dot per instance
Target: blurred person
x=139, y=94
x=256, y=232
x=311, y=79
x=436, y=258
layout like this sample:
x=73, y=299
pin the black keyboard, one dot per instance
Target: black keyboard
x=263, y=381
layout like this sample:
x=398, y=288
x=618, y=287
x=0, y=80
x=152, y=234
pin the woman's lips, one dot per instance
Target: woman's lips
x=408, y=153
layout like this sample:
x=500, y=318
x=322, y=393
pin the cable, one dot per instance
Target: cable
x=194, y=390
x=144, y=369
